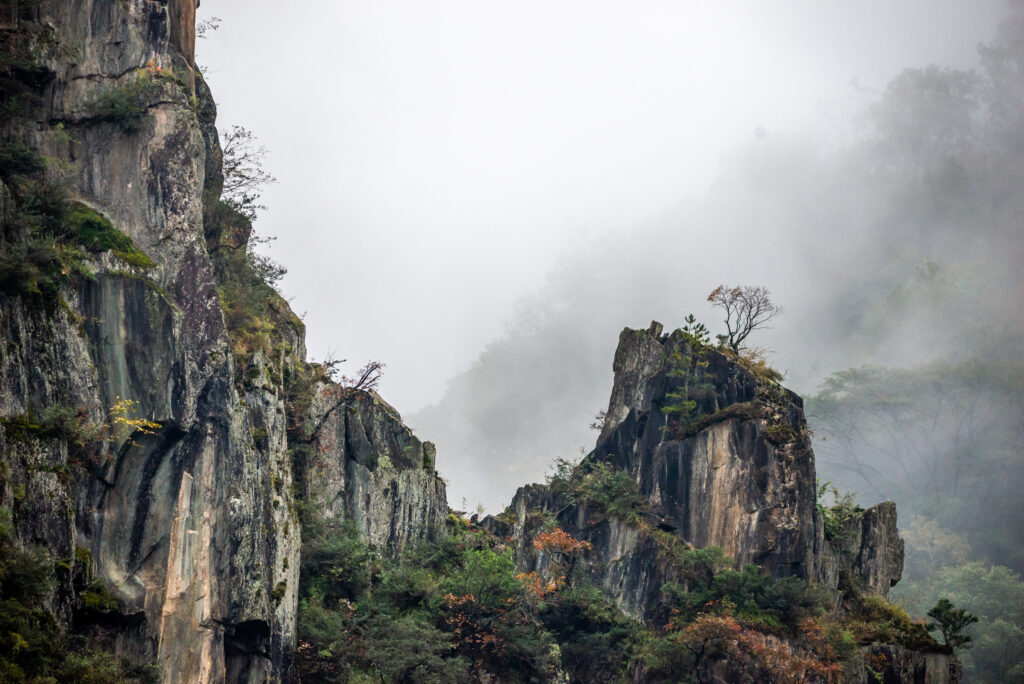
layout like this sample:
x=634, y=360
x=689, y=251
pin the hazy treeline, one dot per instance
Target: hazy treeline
x=896, y=253
x=897, y=247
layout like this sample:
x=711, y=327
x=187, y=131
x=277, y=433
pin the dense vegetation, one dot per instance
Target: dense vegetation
x=458, y=610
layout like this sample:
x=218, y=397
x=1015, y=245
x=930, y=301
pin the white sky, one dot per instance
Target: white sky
x=435, y=158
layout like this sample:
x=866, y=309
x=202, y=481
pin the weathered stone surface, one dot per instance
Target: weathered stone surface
x=742, y=478
x=368, y=467
x=193, y=527
x=869, y=546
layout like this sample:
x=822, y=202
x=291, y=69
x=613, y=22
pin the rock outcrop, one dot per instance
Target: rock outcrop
x=366, y=466
x=740, y=475
x=720, y=456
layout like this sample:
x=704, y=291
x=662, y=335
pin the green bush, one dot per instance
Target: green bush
x=33, y=647
x=49, y=238
x=873, y=620
x=753, y=595
x=688, y=385
x=336, y=563
x=599, y=484
x=17, y=158
x=97, y=234
x=834, y=517
x=596, y=639
x=98, y=598
x=127, y=104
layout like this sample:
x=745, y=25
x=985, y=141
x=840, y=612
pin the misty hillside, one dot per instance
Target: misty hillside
x=896, y=255
x=900, y=247
x=810, y=473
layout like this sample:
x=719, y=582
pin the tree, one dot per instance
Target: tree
x=244, y=174
x=952, y=622
x=747, y=308
x=349, y=388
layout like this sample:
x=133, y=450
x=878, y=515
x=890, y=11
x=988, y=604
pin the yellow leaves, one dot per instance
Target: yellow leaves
x=121, y=415
x=124, y=422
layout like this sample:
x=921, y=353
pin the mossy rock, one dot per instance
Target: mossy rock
x=97, y=234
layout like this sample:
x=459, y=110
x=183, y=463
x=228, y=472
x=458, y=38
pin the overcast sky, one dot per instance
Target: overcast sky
x=436, y=158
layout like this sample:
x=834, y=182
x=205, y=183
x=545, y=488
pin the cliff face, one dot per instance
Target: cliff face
x=190, y=523
x=739, y=475
x=368, y=467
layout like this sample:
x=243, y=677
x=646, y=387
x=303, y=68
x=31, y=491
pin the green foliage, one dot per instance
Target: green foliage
x=952, y=622
x=336, y=563
x=254, y=311
x=439, y=613
x=56, y=422
x=487, y=576
x=18, y=159
x=596, y=639
x=33, y=648
x=688, y=383
x=98, y=598
x=695, y=332
x=97, y=234
x=753, y=596
x=995, y=594
x=48, y=238
x=90, y=666
x=698, y=565
x=127, y=104
x=834, y=517
x=873, y=620
x=599, y=484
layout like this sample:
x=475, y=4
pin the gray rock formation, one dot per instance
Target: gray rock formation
x=740, y=476
x=368, y=467
x=735, y=471
x=191, y=519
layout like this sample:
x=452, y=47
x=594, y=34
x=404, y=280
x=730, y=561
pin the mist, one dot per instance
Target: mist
x=482, y=196
x=448, y=156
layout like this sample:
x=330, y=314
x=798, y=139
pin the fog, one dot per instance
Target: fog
x=481, y=196
x=437, y=160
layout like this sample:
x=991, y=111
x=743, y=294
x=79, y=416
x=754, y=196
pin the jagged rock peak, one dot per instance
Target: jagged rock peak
x=720, y=455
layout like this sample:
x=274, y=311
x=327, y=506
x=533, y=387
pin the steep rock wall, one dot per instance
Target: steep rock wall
x=737, y=472
x=192, y=526
x=742, y=476
x=366, y=466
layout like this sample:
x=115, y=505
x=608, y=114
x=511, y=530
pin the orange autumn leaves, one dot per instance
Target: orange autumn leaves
x=560, y=541
x=556, y=541
x=760, y=655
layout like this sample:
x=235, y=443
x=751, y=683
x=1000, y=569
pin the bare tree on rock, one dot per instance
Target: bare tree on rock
x=747, y=308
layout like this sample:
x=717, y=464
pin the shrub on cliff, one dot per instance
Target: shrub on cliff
x=600, y=485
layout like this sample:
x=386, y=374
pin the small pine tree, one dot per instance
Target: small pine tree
x=696, y=331
x=952, y=622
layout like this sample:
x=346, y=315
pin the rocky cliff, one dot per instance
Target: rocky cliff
x=718, y=455
x=150, y=431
